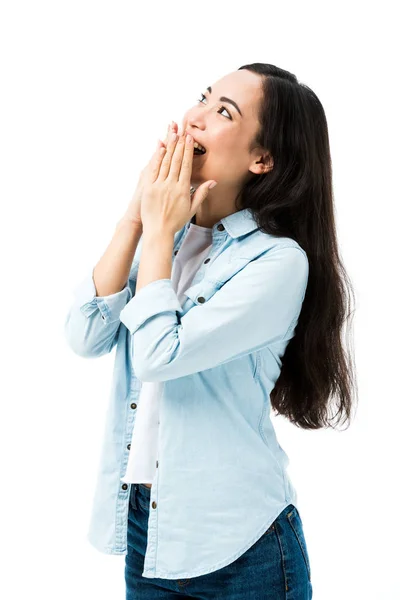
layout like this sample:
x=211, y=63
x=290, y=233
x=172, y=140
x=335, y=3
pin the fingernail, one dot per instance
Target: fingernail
x=214, y=183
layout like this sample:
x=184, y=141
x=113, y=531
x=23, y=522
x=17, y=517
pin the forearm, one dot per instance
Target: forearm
x=111, y=272
x=156, y=258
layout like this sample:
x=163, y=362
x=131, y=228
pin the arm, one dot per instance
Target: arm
x=258, y=306
x=112, y=271
x=156, y=257
x=92, y=321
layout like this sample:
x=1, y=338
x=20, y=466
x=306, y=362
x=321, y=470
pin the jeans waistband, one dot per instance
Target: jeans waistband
x=142, y=489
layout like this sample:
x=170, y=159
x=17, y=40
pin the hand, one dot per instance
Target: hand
x=133, y=211
x=166, y=203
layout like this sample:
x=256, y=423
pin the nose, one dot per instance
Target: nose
x=194, y=121
x=183, y=130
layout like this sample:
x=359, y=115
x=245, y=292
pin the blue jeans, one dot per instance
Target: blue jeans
x=276, y=567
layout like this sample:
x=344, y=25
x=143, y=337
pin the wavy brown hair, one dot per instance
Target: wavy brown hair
x=295, y=199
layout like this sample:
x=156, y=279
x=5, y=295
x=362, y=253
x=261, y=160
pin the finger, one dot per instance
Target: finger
x=166, y=162
x=171, y=127
x=153, y=158
x=165, y=140
x=159, y=145
x=176, y=161
x=163, y=143
x=155, y=163
x=187, y=161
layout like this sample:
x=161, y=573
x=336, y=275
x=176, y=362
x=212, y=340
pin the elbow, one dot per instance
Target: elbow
x=85, y=346
x=153, y=371
x=142, y=372
x=147, y=370
x=158, y=361
x=84, y=350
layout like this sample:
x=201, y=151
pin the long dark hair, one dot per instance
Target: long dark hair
x=295, y=199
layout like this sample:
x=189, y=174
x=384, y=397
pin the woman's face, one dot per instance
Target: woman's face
x=226, y=130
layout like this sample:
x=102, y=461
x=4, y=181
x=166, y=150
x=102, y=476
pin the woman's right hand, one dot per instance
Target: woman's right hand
x=133, y=211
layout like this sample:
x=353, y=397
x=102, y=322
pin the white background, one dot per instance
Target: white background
x=86, y=90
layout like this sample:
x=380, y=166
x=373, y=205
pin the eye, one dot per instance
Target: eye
x=221, y=108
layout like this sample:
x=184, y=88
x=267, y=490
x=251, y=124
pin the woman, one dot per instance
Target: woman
x=221, y=306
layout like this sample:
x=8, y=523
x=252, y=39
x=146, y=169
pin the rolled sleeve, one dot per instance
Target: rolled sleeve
x=153, y=299
x=258, y=306
x=109, y=306
x=92, y=322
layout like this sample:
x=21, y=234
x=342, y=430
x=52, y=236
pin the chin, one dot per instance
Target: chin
x=196, y=181
x=198, y=176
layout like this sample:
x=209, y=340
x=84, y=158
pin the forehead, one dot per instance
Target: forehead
x=244, y=87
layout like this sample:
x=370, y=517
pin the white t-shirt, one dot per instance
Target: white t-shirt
x=141, y=467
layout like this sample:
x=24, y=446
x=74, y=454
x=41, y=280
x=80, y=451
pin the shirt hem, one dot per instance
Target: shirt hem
x=153, y=573
x=105, y=549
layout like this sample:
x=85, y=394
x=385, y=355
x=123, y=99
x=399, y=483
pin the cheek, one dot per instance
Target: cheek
x=230, y=149
x=223, y=143
x=228, y=152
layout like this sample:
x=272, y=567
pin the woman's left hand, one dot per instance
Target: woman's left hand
x=166, y=202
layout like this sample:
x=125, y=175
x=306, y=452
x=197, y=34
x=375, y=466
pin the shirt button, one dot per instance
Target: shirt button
x=220, y=227
x=206, y=261
x=154, y=504
x=103, y=317
x=156, y=464
x=129, y=446
x=201, y=299
x=176, y=252
x=133, y=405
x=124, y=486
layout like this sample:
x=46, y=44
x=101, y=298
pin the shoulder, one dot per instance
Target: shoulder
x=261, y=245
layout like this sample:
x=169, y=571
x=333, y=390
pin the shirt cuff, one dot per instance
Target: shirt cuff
x=109, y=306
x=154, y=298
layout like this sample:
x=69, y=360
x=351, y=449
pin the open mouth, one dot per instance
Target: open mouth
x=199, y=150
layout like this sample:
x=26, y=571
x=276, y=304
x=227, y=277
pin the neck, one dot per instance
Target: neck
x=217, y=205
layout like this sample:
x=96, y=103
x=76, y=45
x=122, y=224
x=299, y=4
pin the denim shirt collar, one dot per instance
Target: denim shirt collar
x=236, y=224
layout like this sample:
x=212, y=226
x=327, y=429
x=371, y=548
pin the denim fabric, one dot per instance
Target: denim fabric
x=276, y=567
x=221, y=475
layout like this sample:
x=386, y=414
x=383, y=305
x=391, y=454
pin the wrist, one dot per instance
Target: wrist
x=125, y=220
x=156, y=233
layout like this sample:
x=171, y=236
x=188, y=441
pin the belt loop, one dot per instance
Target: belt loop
x=132, y=497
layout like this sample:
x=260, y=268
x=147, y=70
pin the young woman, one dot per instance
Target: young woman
x=222, y=303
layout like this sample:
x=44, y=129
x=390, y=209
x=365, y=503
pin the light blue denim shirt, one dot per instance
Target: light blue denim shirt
x=221, y=476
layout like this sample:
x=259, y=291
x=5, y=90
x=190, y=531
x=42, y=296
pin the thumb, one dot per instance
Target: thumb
x=201, y=194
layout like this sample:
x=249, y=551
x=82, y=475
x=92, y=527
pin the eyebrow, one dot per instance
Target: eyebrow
x=225, y=99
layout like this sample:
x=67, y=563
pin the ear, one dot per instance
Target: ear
x=262, y=164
